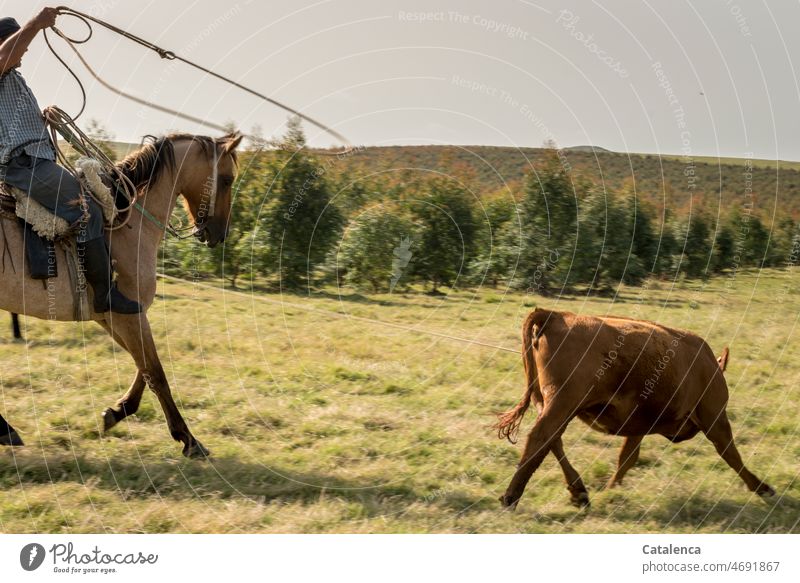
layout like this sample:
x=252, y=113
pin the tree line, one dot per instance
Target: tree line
x=297, y=221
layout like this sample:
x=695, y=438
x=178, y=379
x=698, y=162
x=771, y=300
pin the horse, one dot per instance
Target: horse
x=202, y=170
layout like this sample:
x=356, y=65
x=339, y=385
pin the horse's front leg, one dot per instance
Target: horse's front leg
x=134, y=334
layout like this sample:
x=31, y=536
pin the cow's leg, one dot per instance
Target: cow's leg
x=8, y=435
x=628, y=456
x=577, y=491
x=134, y=332
x=718, y=430
x=129, y=403
x=549, y=426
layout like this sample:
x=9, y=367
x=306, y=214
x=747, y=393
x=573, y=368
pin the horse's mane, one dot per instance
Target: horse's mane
x=146, y=165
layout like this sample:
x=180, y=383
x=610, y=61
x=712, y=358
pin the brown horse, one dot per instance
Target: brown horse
x=199, y=168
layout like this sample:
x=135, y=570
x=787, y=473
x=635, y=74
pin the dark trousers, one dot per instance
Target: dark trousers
x=57, y=190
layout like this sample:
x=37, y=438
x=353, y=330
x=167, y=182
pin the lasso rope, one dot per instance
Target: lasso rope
x=341, y=315
x=62, y=124
x=165, y=54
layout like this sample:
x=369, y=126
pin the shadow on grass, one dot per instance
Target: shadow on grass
x=228, y=478
x=221, y=478
x=699, y=512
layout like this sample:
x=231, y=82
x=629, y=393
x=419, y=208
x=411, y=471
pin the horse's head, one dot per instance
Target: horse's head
x=206, y=187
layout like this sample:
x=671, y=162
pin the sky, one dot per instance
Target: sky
x=703, y=78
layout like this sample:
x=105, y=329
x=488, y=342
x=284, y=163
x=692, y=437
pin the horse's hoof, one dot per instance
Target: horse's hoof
x=765, y=491
x=508, y=502
x=11, y=438
x=109, y=419
x=581, y=500
x=196, y=451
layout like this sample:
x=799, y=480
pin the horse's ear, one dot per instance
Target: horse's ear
x=230, y=142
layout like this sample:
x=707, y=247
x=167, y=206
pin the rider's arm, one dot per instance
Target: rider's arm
x=14, y=47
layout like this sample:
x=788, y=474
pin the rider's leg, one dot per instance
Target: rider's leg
x=98, y=274
x=48, y=184
x=56, y=189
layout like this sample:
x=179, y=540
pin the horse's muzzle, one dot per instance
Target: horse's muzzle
x=209, y=236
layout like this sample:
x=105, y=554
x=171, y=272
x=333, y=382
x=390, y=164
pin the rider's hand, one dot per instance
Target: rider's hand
x=46, y=18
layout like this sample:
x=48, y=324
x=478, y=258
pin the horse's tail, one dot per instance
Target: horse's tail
x=508, y=423
x=722, y=360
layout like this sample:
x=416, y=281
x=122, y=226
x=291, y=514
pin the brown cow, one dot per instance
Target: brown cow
x=622, y=377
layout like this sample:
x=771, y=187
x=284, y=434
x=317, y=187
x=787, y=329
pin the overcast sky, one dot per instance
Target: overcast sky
x=701, y=78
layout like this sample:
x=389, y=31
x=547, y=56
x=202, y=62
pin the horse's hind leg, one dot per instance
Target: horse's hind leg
x=577, y=491
x=15, y=326
x=134, y=333
x=129, y=403
x=8, y=435
x=628, y=456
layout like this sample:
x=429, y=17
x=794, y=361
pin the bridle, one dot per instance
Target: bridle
x=200, y=224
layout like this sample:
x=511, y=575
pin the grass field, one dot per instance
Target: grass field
x=323, y=424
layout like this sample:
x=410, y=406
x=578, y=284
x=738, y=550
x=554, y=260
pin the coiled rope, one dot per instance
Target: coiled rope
x=61, y=123
x=169, y=55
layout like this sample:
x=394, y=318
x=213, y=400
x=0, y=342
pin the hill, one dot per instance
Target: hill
x=662, y=180
x=717, y=184
x=590, y=149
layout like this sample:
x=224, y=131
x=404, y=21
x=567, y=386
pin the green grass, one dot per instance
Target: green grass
x=320, y=424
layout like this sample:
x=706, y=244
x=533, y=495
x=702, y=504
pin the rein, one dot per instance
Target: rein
x=169, y=55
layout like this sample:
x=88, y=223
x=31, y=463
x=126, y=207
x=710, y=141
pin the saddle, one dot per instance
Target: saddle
x=42, y=229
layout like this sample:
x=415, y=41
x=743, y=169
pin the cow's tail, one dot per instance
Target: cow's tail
x=508, y=423
x=723, y=359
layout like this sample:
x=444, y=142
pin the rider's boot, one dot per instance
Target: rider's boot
x=98, y=273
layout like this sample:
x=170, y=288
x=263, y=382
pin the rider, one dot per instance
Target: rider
x=27, y=161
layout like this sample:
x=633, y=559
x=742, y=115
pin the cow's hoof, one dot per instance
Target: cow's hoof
x=11, y=438
x=509, y=502
x=765, y=491
x=196, y=451
x=109, y=419
x=580, y=500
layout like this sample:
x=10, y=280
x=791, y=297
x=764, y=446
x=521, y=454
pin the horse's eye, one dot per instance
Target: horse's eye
x=225, y=181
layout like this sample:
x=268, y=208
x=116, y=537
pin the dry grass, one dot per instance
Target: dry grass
x=319, y=424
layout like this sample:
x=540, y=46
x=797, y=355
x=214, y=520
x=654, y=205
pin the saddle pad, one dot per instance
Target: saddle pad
x=43, y=222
